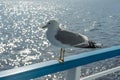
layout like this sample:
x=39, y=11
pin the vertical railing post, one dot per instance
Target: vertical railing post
x=74, y=74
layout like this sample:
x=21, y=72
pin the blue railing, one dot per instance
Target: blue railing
x=52, y=66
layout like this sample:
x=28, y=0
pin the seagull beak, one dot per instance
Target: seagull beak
x=44, y=27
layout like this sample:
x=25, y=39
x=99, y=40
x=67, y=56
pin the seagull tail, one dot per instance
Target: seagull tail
x=92, y=44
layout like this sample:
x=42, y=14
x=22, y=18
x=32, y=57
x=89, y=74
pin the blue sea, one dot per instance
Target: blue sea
x=23, y=41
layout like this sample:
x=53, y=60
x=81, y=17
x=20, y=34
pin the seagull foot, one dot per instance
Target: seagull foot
x=60, y=60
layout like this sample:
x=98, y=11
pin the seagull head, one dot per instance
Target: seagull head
x=52, y=24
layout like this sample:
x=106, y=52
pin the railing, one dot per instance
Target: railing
x=44, y=68
x=100, y=74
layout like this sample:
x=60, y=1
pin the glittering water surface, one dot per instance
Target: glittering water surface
x=23, y=42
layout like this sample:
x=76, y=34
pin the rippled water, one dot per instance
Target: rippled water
x=23, y=42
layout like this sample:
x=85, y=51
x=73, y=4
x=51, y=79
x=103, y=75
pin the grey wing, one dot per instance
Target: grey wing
x=69, y=38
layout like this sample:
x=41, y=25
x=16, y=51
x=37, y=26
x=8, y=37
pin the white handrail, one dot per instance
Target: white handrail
x=100, y=74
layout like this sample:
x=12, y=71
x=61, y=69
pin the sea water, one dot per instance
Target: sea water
x=23, y=41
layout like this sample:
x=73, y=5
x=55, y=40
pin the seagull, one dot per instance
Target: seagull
x=65, y=39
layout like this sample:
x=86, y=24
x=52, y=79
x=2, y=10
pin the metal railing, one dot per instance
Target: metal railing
x=100, y=74
x=52, y=66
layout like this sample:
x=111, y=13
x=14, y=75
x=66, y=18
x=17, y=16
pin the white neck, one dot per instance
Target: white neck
x=52, y=29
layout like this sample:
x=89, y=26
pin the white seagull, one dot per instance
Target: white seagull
x=65, y=39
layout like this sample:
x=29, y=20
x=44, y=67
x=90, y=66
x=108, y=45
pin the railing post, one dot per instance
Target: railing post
x=74, y=74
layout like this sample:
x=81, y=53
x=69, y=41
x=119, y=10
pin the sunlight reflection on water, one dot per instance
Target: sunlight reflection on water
x=20, y=27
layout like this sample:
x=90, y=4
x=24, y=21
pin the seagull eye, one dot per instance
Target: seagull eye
x=48, y=23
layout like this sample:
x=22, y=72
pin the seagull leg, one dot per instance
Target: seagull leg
x=63, y=54
x=60, y=59
x=60, y=56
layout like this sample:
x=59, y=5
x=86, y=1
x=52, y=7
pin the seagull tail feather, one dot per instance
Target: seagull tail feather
x=92, y=44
